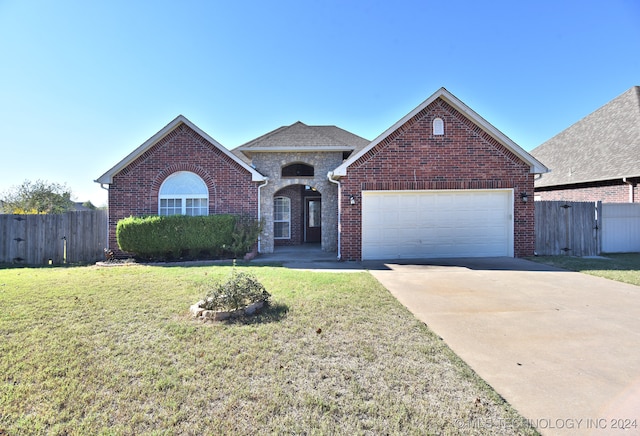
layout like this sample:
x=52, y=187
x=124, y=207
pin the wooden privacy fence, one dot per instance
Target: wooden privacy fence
x=586, y=228
x=72, y=237
x=567, y=228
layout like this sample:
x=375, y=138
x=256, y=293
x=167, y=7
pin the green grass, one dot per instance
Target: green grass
x=88, y=350
x=620, y=267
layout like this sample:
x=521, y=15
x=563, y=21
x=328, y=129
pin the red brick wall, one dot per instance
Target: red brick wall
x=611, y=191
x=465, y=157
x=134, y=190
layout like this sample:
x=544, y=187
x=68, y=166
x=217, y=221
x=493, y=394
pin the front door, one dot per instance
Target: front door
x=313, y=219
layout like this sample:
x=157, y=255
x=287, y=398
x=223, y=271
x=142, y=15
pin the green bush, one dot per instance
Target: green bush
x=245, y=235
x=241, y=290
x=176, y=236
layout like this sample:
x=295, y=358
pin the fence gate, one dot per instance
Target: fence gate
x=567, y=228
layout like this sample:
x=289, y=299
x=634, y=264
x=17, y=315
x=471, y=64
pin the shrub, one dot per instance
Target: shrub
x=245, y=234
x=175, y=236
x=241, y=290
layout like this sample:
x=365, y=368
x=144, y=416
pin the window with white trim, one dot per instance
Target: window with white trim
x=183, y=193
x=281, y=218
x=438, y=127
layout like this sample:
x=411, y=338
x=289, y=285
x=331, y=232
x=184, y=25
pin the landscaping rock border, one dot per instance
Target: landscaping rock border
x=218, y=315
x=110, y=263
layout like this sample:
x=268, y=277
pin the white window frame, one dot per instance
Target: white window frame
x=286, y=218
x=183, y=188
x=438, y=127
x=170, y=206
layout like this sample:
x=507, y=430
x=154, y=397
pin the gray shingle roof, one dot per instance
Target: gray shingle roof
x=301, y=137
x=604, y=145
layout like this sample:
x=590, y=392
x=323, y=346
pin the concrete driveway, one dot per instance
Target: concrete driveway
x=563, y=348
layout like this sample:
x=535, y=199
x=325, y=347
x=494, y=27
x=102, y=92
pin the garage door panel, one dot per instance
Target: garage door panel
x=414, y=224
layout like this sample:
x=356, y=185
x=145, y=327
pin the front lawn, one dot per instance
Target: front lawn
x=89, y=350
x=621, y=267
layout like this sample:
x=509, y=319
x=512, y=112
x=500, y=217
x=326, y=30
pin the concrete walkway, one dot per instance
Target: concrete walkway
x=309, y=257
x=563, y=348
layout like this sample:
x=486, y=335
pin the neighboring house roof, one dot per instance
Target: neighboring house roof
x=536, y=166
x=107, y=178
x=604, y=145
x=299, y=137
x=78, y=206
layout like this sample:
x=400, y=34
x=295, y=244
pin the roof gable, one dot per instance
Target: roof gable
x=299, y=137
x=107, y=178
x=604, y=145
x=536, y=166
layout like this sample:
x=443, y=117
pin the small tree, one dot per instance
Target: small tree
x=37, y=197
x=245, y=234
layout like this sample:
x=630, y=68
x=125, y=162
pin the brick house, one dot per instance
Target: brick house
x=597, y=158
x=441, y=182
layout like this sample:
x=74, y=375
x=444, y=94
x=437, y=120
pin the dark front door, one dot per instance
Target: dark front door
x=313, y=219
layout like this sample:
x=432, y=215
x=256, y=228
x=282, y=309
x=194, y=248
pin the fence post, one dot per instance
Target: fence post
x=598, y=227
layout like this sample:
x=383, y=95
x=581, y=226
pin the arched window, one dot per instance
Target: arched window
x=281, y=218
x=297, y=170
x=438, y=127
x=183, y=193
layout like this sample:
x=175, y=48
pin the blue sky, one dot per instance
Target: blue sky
x=83, y=83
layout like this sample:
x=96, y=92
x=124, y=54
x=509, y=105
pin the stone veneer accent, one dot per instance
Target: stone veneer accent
x=270, y=165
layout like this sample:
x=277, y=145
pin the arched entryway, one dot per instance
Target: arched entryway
x=297, y=215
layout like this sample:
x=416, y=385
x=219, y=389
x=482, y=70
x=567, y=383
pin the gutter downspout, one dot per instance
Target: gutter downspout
x=337, y=182
x=266, y=182
x=631, y=197
x=106, y=189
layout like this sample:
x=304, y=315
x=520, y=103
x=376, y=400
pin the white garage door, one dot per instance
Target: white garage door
x=430, y=224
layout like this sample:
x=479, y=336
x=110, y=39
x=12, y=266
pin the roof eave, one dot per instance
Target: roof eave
x=107, y=178
x=296, y=149
x=536, y=167
x=600, y=179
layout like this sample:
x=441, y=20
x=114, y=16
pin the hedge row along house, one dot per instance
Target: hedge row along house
x=440, y=182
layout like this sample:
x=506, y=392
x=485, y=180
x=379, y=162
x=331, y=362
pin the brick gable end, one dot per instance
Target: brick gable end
x=411, y=158
x=135, y=188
